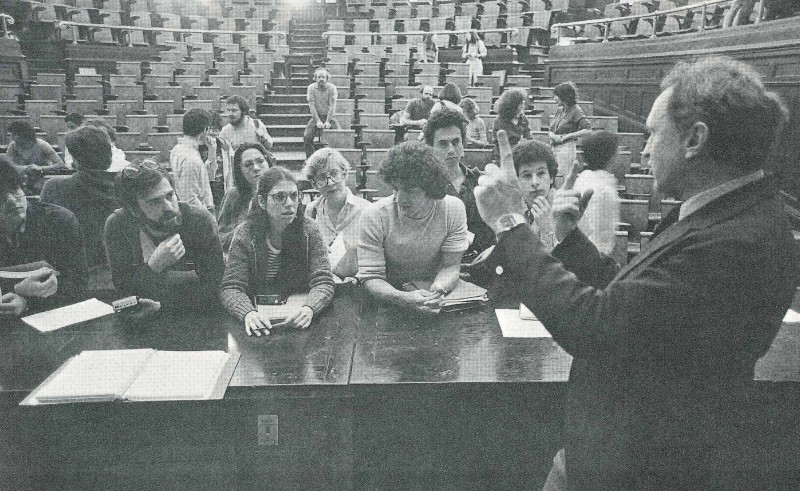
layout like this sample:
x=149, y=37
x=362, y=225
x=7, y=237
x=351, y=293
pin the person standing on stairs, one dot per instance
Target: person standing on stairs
x=321, y=96
x=242, y=128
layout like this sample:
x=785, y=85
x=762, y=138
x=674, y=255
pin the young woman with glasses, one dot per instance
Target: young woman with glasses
x=337, y=210
x=276, y=251
x=250, y=162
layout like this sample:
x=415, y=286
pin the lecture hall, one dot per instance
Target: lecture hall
x=400, y=244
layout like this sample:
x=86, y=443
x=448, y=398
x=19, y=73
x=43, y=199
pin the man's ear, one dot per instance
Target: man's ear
x=696, y=139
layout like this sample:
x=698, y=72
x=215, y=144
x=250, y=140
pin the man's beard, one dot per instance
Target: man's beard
x=158, y=230
x=238, y=121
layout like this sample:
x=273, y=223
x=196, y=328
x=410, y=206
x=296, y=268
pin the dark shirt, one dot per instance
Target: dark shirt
x=419, y=109
x=484, y=235
x=569, y=120
x=190, y=283
x=52, y=235
x=90, y=196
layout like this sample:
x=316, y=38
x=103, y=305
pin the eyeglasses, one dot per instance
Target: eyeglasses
x=249, y=165
x=133, y=170
x=335, y=176
x=281, y=197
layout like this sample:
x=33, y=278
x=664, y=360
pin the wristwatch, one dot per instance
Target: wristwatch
x=509, y=221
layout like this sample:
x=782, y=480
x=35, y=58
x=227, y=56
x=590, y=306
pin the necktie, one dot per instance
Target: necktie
x=668, y=220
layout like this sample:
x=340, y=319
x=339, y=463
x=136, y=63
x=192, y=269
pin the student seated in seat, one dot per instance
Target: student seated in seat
x=418, y=233
x=417, y=111
x=89, y=193
x=33, y=232
x=159, y=248
x=31, y=155
x=477, y=136
x=276, y=251
x=250, y=162
x=337, y=211
x=536, y=169
x=242, y=128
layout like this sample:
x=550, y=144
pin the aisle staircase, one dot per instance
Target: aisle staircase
x=285, y=111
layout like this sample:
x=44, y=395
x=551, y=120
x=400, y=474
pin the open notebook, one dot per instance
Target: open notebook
x=464, y=296
x=137, y=375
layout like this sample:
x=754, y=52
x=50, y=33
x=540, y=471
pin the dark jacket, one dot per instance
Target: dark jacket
x=190, y=283
x=665, y=349
x=90, y=196
x=51, y=234
x=304, y=267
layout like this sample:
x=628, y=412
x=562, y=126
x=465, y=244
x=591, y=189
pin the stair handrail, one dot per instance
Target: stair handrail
x=64, y=25
x=607, y=21
x=513, y=30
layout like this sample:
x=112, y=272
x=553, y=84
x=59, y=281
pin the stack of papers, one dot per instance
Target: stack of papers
x=464, y=296
x=279, y=313
x=137, y=375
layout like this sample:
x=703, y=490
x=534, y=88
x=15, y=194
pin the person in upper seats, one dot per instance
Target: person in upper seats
x=567, y=125
x=599, y=220
x=250, y=162
x=445, y=132
x=31, y=155
x=72, y=121
x=89, y=193
x=217, y=153
x=32, y=232
x=536, y=168
x=417, y=234
x=337, y=211
x=118, y=159
x=476, y=126
x=417, y=111
x=511, y=118
x=191, y=175
x=159, y=248
x=276, y=251
x=661, y=392
x=429, y=52
x=242, y=128
x=739, y=13
x=473, y=53
x=321, y=96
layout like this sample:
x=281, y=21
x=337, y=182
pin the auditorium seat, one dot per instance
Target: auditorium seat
x=375, y=121
x=51, y=125
x=122, y=107
x=378, y=138
x=620, y=252
x=128, y=141
x=634, y=213
x=477, y=157
x=173, y=93
x=159, y=107
x=163, y=143
x=34, y=109
x=639, y=184
x=143, y=124
x=343, y=138
x=128, y=92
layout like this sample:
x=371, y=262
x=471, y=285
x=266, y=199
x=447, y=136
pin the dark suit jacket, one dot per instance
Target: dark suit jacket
x=664, y=351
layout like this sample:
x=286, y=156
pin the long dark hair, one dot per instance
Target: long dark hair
x=259, y=217
x=242, y=184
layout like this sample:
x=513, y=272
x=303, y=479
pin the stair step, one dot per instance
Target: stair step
x=286, y=129
x=284, y=119
x=285, y=99
x=292, y=160
x=288, y=109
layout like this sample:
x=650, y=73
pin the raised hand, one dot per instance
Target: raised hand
x=569, y=204
x=498, y=193
x=167, y=253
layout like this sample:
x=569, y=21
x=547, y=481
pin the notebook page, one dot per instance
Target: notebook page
x=178, y=375
x=95, y=376
x=513, y=326
x=52, y=320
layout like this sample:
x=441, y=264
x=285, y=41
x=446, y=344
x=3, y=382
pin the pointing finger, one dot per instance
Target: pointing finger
x=506, y=154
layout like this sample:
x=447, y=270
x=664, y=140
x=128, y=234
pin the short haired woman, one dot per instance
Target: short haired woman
x=276, y=251
x=567, y=124
x=476, y=126
x=511, y=117
x=418, y=233
x=536, y=172
x=250, y=161
x=337, y=211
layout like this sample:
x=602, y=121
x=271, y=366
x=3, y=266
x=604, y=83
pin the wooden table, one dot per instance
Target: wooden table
x=370, y=397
